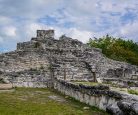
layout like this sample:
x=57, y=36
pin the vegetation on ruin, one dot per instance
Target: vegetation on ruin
x=131, y=91
x=34, y=101
x=42, y=67
x=117, y=48
x=2, y=80
x=37, y=45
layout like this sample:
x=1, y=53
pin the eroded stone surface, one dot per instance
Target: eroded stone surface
x=113, y=102
x=68, y=58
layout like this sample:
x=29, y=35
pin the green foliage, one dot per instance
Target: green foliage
x=133, y=92
x=50, y=67
x=2, y=80
x=117, y=48
x=42, y=67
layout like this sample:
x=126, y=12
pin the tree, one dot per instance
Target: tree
x=117, y=48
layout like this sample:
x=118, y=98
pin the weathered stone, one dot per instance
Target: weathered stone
x=113, y=102
x=67, y=56
x=134, y=108
x=45, y=34
x=114, y=110
x=125, y=107
x=5, y=86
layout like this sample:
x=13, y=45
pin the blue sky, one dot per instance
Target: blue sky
x=79, y=19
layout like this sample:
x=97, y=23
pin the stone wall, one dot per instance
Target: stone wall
x=73, y=49
x=69, y=58
x=28, y=78
x=23, y=60
x=100, y=96
x=45, y=34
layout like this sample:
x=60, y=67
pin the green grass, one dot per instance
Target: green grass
x=133, y=92
x=34, y=101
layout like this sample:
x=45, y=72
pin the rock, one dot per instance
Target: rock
x=99, y=80
x=6, y=86
x=86, y=108
x=45, y=33
x=114, y=110
x=134, y=108
x=128, y=108
x=124, y=106
x=69, y=57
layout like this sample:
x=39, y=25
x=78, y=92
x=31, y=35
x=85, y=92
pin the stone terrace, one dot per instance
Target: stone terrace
x=67, y=58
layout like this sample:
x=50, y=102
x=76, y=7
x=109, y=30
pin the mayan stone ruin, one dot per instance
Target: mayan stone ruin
x=69, y=59
x=48, y=62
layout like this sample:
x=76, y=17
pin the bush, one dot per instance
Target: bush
x=133, y=91
x=2, y=80
x=117, y=48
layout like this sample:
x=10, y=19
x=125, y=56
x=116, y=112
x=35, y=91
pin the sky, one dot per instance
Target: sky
x=79, y=19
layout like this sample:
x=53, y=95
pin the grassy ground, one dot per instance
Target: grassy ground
x=29, y=101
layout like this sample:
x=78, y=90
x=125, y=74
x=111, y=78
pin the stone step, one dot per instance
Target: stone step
x=6, y=86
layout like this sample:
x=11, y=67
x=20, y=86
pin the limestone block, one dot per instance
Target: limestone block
x=45, y=34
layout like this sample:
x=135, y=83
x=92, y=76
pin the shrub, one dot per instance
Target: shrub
x=2, y=80
x=133, y=91
x=117, y=48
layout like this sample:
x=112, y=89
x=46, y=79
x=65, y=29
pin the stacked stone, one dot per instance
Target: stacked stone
x=100, y=96
x=70, y=58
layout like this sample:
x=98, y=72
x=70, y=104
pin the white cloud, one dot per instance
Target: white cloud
x=9, y=31
x=31, y=28
x=130, y=30
x=4, y=20
x=87, y=18
x=31, y=9
x=80, y=35
x=1, y=39
x=72, y=32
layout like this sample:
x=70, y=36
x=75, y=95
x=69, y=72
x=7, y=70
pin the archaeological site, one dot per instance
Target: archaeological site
x=74, y=69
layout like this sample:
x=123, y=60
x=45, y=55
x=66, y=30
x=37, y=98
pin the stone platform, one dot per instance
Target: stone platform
x=6, y=86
